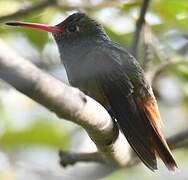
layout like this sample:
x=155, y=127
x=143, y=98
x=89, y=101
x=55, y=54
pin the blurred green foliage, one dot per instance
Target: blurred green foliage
x=39, y=133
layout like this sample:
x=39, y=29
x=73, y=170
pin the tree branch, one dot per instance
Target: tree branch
x=67, y=102
x=139, y=24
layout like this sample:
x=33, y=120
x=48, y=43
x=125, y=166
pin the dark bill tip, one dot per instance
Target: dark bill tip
x=12, y=23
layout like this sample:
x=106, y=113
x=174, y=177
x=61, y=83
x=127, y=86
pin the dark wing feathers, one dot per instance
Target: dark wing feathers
x=132, y=102
x=128, y=117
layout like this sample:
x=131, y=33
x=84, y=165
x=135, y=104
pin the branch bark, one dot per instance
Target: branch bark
x=67, y=102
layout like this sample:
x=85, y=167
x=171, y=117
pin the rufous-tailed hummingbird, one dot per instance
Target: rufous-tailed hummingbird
x=109, y=74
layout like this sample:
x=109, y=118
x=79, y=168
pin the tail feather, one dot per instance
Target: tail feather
x=151, y=113
x=143, y=136
x=164, y=153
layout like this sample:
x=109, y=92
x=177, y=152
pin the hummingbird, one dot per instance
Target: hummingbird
x=109, y=74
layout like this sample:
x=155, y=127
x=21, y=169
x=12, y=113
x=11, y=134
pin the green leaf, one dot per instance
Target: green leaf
x=169, y=9
x=131, y=4
x=180, y=70
x=173, y=12
x=8, y=7
x=39, y=133
x=37, y=38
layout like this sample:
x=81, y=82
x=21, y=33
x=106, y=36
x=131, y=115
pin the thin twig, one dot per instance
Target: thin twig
x=177, y=141
x=59, y=5
x=68, y=158
x=27, y=11
x=139, y=24
x=88, y=8
x=164, y=67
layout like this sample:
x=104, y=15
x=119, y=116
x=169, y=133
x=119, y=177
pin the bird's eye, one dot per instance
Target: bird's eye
x=73, y=28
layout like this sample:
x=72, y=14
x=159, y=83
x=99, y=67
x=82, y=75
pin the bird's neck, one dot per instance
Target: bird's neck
x=73, y=53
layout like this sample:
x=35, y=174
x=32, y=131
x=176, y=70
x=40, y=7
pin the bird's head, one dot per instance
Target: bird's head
x=75, y=36
x=76, y=27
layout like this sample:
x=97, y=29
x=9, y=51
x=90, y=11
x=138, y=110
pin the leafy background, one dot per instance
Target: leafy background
x=30, y=135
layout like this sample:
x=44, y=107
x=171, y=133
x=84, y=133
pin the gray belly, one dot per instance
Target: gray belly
x=90, y=87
